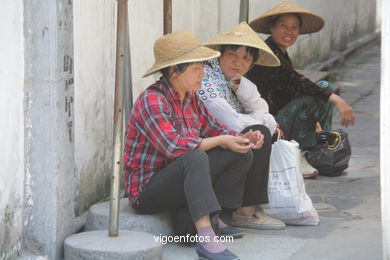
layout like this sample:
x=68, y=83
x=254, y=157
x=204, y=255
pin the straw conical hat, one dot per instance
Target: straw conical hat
x=311, y=22
x=179, y=47
x=243, y=35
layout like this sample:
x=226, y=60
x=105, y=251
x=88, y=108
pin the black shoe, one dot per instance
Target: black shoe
x=225, y=231
x=206, y=255
x=230, y=231
x=214, y=224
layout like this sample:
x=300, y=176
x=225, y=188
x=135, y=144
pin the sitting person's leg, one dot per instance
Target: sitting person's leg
x=256, y=188
x=226, y=168
x=256, y=185
x=299, y=120
x=326, y=110
x=177, y=184
x=228, y=171
x=188, y=180
x=228, y=184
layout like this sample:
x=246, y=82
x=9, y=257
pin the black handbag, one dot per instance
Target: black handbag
x=331, y=154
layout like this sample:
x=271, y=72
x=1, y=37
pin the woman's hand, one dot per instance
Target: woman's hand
x=235, y=82
x=255, y=137
x=345, y=110
x=239, y=144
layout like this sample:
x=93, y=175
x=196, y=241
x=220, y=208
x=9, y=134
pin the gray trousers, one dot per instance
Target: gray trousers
x=205, y=181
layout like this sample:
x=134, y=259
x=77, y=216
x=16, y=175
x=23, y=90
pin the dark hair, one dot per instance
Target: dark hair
x=179, y=68
x=275, y=18
x=253, y=52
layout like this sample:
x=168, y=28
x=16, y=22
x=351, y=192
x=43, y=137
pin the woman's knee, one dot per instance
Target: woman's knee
x=264, y=130
x=238, y=158
x=197, y=157
x=248, y=157
x=197, y=154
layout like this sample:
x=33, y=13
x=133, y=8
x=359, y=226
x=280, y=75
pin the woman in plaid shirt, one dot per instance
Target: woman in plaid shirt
x=176, y=154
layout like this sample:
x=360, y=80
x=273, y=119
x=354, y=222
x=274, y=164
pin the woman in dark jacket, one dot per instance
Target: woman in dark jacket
x=300, y=106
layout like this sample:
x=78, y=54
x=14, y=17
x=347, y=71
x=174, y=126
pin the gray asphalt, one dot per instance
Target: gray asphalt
x=349, y=205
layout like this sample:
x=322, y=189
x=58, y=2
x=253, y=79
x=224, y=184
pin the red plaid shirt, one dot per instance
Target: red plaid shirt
x=161, y=128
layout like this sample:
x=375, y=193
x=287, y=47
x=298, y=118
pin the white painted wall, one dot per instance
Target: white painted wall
x=145, y=25
x=12, y=125
x=94, y=63
x=378, y=14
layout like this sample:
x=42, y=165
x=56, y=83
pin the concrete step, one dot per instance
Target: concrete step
x=97, y=245
x=157, y=224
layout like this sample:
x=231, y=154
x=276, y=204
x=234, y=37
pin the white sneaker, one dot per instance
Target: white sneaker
x=308, y=171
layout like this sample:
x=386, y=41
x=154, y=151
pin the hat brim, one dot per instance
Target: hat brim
x=197, y=55
x=266, y=57
x=243, y=35
x=310, y=22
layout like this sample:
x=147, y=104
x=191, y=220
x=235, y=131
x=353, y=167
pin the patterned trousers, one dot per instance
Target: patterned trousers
x=299, y=117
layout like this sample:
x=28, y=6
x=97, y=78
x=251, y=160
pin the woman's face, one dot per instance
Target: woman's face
x=191, y=78
x=285, y=31
x=235, y=62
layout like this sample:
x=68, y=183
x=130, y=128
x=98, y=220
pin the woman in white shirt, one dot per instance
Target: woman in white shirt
x=235, y=102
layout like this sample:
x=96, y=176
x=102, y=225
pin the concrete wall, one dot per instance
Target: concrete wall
x=378, y=14
x=11, y=124
x=94, y=35
x=49, y=133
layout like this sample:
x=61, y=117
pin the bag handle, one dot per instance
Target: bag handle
x=336, y=143
x=280, y=134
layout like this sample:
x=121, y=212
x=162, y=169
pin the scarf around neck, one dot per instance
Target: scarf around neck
x=215, y=80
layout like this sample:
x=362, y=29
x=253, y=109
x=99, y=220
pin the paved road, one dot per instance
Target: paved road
x=351, y=226
x=349, y=205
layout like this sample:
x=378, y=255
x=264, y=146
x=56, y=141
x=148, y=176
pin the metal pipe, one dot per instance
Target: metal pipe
x=120, y=84
x=167, y=16
x=244, y=10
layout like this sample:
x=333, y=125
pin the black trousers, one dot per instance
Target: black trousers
x=256, y=186
x=206, y=181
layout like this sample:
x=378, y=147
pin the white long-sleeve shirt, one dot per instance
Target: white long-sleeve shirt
x=235, y=111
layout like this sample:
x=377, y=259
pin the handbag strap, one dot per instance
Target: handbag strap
x=280, y=134
x=336, y=143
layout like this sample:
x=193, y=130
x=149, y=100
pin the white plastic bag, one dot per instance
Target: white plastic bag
x=288, y=200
